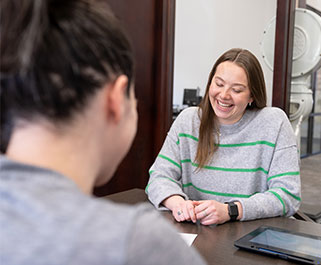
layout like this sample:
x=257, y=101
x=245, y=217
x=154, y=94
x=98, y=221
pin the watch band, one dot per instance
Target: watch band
x=233, y=211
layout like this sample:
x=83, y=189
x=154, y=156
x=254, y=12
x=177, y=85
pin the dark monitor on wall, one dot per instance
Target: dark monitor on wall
x=191, y=97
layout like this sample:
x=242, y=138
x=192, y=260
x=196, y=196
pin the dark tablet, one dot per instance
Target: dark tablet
x=283, y=243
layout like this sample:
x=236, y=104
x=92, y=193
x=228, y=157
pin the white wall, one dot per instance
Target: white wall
x=204, y=29
x=315, y=4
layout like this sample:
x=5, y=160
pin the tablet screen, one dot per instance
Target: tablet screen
x=295, y=243
x=283, y=243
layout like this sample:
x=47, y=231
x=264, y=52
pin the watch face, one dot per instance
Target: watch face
x=233, y=211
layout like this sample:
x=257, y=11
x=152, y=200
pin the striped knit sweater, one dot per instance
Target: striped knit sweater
x=256, y=164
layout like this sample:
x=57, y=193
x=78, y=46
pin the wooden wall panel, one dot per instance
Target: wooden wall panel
x=283, y=51
x=165, y=27
x=150, y=24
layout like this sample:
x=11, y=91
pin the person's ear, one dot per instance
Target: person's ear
x=116, y=98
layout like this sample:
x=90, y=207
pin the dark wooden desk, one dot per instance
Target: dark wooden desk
x=215, y=242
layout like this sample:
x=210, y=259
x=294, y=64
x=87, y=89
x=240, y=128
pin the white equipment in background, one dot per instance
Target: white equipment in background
x=306, y=58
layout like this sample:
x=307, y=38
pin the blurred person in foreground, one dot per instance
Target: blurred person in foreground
x=67, y=88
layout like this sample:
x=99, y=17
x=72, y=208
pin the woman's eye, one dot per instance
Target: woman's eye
x=237, y=91
x=219, y=84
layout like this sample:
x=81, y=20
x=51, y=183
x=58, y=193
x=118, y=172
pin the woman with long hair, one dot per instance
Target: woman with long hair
x=231, y=158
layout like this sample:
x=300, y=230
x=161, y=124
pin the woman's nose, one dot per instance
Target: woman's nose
x=224, y=93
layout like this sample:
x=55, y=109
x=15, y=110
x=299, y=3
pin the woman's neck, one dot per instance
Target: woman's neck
x=67, y=154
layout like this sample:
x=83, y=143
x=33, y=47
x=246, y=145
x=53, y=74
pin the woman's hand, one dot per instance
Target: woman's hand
x=211, y=212
x=182, y=210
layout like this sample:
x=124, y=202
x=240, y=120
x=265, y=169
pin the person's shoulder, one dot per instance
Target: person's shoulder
x=116, y=219
x=153, y=233
x=100, y=208
x=274, y=113
x=123, y=215
x=110, y=226
x=187, y=121
x=188, y=114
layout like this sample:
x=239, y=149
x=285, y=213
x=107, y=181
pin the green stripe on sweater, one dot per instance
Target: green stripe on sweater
x=286, y=191
x=217, y=193
x=247, y=144
x=228, y=145
x=225, y=194
x=226, y=169
x=292, y=173
x=214, y=168
x=170, y=160
x=280, y=199
x=188, y=136
x=146, y=189
x=204, y=191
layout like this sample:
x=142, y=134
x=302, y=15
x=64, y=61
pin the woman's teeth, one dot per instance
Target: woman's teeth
x=224, y=105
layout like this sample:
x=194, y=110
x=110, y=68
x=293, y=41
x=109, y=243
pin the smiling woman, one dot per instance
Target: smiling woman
x=236, y=66
x=232, y=158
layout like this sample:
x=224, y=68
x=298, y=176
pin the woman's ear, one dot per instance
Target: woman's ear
x=116, y=95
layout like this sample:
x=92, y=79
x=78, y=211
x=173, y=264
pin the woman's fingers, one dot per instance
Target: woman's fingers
x=208, y=212
x=196, y=203
x=202, y=209
x=184, y=211
x=190, y=211
x=204, y=213
x=212, y=212
x=179, y=214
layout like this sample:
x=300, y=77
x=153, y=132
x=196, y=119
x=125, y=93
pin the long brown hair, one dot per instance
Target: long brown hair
x=209, y=127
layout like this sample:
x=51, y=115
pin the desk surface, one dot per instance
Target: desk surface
x=215, y=242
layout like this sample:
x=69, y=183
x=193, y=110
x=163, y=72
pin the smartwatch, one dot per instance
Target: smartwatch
x=233, y=210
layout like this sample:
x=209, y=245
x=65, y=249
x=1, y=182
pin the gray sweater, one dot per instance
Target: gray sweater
x=257, y=164
x=46, y=219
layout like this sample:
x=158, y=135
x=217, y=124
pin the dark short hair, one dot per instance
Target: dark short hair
x=55, y=54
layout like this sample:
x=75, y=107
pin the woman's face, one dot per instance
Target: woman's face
x=229, y=93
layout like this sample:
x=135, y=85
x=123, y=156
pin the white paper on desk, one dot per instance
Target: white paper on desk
x=188, y=238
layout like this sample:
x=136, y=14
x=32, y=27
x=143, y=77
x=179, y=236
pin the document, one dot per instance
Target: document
x=188, y=238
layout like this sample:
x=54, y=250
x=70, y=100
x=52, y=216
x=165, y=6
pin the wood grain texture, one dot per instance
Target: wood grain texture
x=150, y=25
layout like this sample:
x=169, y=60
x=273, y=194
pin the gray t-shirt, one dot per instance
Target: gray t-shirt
x=46, y=219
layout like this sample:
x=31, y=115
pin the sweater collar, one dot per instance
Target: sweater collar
x=238, y=126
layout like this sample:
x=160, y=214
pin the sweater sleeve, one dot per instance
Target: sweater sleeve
x=283, y=194
x=165, y=173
